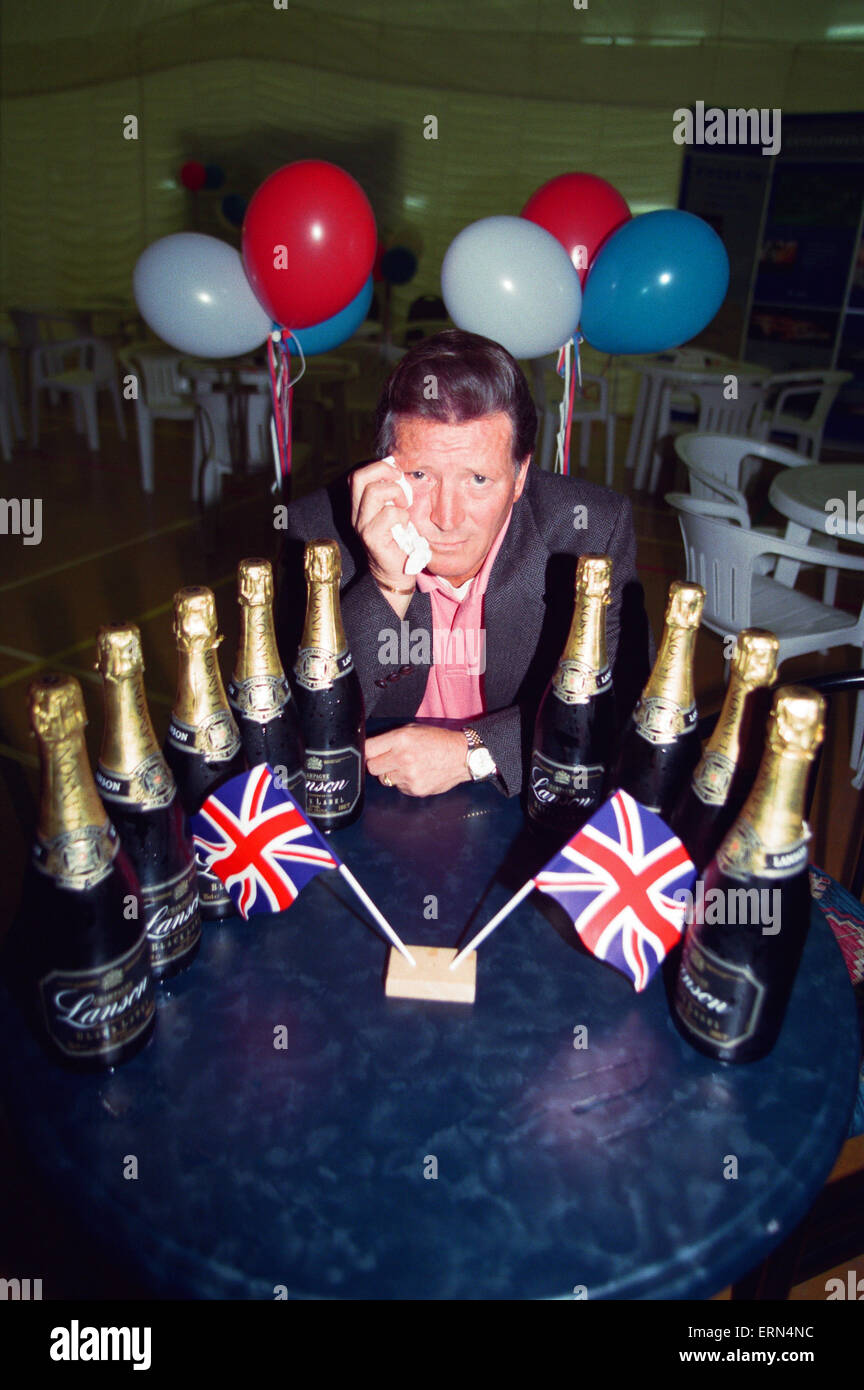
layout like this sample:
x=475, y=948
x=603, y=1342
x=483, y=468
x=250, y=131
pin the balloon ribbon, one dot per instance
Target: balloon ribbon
x=564, y=369
x=282, y=391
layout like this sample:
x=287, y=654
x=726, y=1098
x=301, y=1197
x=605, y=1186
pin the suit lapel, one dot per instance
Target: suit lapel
x=514, y=607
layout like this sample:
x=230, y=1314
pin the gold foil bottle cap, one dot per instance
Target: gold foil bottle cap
x=796, y=723
x=754, y=659
x=56, y=707
x=195, y=623
x=594, y=576
x=254, y=583
x=118, y=651
x=322, y=562
x=685, y=605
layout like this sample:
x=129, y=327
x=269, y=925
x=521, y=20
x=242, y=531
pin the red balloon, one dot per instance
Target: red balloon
x=309, y=242
x=581, y=210
x=193, y=175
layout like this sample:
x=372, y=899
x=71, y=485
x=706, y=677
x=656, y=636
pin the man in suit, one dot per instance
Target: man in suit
x=472, y=641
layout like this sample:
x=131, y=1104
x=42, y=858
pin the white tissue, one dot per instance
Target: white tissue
x=406, y=536
x=416, y=547
x=401, y=480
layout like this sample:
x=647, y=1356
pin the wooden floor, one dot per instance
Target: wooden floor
x=109, y=554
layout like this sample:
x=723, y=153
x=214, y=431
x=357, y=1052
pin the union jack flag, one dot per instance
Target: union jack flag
x=615, y=879
x=254, y=837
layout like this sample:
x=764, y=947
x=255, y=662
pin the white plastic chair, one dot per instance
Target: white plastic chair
x=593, y=404
x=90, y=371
x=715, y=413
x=725, y=455
x=723, y=554
x=820, y=388
x=163, y=394
x=37, y=326
x=720, y=466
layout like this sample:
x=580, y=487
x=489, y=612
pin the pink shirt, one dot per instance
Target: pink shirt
x=454, y=689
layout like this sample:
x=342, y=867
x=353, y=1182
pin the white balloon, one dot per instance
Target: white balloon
x=193, y=292
x=512, y=281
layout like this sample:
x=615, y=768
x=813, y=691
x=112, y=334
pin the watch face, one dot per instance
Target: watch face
x=481, y=764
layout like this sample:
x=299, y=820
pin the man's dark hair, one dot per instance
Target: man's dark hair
x=455, y=377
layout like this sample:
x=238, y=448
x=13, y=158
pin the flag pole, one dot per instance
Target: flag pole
x=490, y=926
x=382, y=921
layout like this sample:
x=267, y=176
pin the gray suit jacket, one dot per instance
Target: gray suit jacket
x=527, y=608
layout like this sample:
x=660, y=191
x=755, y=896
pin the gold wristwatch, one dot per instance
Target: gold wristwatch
x=479, y=761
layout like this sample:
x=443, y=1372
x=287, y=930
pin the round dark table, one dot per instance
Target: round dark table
x=307, y=1169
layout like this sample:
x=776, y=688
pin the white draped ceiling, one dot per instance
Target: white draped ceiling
x=522, y=90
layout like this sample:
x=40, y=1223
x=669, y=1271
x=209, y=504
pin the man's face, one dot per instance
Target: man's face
x=464, y=484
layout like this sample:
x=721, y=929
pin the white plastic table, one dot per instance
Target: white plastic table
x=234, y=399
x=804, y=495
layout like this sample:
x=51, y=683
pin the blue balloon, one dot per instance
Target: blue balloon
x=656, y=283
x=329, y=333
x=399, y=265
x=214, y=176
x=234, y=209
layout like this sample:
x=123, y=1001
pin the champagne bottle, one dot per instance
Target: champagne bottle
x=575, y=721
x=140, y=795
x=258, y=691
x=203, y=747
x=708, y=806
x=329, y=698
x=660, y=746
x=89, y=948
x=751, y=914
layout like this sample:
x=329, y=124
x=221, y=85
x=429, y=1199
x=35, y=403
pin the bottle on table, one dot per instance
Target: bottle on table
x=574, y=727
x=708, y=806
x=258, y=692
x=329, y=698
x=660, y=745
x=751, y=913
x=88, y=946
x=140, y=795
x=203, y=747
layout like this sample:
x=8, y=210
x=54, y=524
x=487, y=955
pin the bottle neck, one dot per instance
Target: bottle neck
x=128, y=737
x=775, y=807
x=323, y=626
x=257, y=652
x=672, y=676
x=586, y=641
x=726, y=737
x=68, y=798
x=200, y=692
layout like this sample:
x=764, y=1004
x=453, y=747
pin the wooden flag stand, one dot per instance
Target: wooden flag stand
x=441, y=972
x=431, y=977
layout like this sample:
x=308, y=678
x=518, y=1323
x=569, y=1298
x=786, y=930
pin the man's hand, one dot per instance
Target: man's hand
x=419, y=759
x=377, y=503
